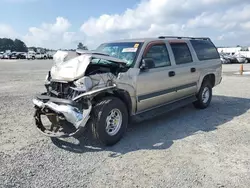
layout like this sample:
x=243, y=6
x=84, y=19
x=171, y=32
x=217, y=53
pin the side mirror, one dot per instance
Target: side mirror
x=147, y=63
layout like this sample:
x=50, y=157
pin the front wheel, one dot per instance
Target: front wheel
x=109, y=120
x=204, y=96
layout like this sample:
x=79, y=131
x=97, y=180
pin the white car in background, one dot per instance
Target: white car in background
x=1, y=55
x=224, y=60
x=6, y=55
x=41, y=56
x=240, y=58
x=31, y=55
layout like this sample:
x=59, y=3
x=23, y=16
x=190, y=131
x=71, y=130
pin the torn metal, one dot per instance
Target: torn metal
x=75, y=68
x=71, y=85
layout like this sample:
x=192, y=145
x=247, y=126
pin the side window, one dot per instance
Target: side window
x=182, y=53
x=159, y=54
x=205, y=49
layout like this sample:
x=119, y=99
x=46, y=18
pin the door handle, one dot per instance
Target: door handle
x=193, y=69
x=171, y=73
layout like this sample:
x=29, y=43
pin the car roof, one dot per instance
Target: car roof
x=163, y=38
x=134, y=40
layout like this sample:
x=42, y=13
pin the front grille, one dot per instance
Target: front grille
x=60, y=89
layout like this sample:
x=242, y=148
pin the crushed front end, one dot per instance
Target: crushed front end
x=66, y=116
x=70, y=88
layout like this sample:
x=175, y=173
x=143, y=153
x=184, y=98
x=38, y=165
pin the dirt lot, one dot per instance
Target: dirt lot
x=186, y=148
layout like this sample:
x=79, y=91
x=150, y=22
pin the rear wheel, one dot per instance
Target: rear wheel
x=109, y=120
x=204, y=96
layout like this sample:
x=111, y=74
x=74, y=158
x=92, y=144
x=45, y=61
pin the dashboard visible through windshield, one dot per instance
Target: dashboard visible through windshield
x=126, y=51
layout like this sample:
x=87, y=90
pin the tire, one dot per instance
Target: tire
x=202, y=103
x=82, y=131
x=33, y=58
x=101, y=111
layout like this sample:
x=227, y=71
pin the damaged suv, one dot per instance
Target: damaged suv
x=124, y=81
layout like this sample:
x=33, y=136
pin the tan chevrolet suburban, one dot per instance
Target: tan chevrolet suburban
x=125, y=81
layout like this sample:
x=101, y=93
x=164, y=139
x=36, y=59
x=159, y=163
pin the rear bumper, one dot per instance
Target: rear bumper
x=58, y=110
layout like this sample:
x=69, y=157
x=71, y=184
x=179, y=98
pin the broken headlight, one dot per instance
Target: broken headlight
x=84, y=84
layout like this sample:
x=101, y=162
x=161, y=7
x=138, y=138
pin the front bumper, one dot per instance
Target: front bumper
x=59, y=110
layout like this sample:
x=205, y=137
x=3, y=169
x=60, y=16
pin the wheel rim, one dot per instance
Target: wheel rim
x=205, y=95
x=113, y=122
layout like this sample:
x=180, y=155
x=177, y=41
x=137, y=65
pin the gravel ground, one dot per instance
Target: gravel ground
x=186, y=148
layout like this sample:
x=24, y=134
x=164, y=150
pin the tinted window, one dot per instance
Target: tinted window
x=205, y=49
x=159, y=54
x=181, y=53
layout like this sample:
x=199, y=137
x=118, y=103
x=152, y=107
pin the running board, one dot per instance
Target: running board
x=163, y=109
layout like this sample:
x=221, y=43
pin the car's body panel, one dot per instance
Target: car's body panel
x=150, y=93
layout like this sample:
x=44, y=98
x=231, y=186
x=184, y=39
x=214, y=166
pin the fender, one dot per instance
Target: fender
x=215, y=70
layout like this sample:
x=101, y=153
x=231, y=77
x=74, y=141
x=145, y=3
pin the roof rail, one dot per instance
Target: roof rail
x=178, y=37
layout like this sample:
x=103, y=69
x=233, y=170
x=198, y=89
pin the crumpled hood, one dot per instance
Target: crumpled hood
x=75, y=67
x=70, y=70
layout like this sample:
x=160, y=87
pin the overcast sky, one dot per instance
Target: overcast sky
x=62, y=24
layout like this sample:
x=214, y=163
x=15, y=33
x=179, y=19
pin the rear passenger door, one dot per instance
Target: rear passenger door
x=186, y=71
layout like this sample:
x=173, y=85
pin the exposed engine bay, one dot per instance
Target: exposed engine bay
x=71, y=87
x=95, y=76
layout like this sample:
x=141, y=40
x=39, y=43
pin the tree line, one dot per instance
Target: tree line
x=12, y=45
x=81, y=46
x=19, y=46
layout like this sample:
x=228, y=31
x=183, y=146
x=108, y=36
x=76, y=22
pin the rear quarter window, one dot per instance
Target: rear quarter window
x=182, y=53
x=205, y=49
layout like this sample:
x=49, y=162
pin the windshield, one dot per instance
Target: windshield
x=126, y=51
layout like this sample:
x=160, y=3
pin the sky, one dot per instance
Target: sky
x=65, y=23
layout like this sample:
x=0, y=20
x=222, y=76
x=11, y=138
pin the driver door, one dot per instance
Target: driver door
x=154, y=85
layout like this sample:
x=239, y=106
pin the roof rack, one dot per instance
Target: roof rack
x=178, y=37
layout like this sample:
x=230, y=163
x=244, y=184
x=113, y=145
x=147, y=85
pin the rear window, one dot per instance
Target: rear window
x=205, y=49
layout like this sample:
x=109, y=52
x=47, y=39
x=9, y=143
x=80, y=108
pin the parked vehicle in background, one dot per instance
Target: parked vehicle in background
x=6, y=55
x=245, y=51
x=13, y=55
x=224, y=60
x=41, y=56
x=31, y=55
x=240, y=58
x=50, y=55
x=25, y=54
x=229, y=57
x=1, y=55
x=237, y=54
x=125, y=80
x=21, y=55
